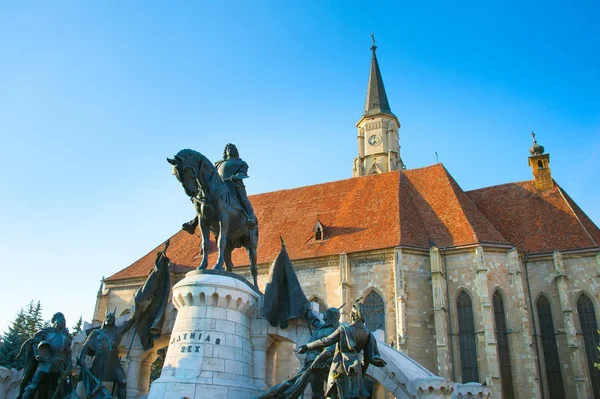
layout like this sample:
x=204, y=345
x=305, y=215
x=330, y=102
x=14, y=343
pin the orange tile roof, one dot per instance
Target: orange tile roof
x=448, y=215
x=418, y=207
x=534, y=221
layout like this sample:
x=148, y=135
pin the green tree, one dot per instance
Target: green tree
x=13, y=339
x=34, y=319
x=157, y=366
x=28, y=321
x=78, y=327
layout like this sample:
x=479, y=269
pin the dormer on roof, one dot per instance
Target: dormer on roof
x=319, y=231
x=540, y=166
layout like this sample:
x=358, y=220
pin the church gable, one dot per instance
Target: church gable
x=536, y=221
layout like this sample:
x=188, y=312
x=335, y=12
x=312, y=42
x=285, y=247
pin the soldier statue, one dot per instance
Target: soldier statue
x=345, y=379
x=330, y=323
x=48, y=365
x=233, y=170
x=103, y=345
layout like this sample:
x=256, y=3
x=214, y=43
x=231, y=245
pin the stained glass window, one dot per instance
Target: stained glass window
x=467, y=339
x=589, y=329
x=503, y=347
x=550, y=348
x=322, y=305
x=374, y=312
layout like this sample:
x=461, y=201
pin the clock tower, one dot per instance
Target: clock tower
x=378, y=129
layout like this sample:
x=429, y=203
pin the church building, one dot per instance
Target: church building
x=498, y=285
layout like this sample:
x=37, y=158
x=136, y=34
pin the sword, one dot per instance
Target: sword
x=238, y=178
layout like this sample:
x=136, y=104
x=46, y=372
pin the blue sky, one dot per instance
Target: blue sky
x=95, y=95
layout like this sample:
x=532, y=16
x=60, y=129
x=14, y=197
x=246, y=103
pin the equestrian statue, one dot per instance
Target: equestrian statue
x=221, y=204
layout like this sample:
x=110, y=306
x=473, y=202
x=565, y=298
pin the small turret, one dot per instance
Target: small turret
x=540, y=166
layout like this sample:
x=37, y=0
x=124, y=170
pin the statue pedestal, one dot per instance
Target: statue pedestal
x=210, y=352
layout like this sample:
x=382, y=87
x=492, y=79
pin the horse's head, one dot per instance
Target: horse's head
x=185, y=172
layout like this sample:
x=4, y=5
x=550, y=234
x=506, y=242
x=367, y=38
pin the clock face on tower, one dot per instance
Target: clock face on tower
x=375, y=139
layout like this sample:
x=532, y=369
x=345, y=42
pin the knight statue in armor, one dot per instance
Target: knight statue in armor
x=346, y=380
x=48, y=366
x=330, y=323
x=103, y=345
x=233, y=170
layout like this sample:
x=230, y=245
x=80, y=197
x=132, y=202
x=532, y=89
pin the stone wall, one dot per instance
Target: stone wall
x=420, y=289
x=481, y=273
x=562, y=278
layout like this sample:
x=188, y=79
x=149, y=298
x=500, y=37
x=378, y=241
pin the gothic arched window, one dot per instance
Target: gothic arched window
x=319, y=301
x=466, y=338
x=551, y=361
x=589, y=329
x=503, y=346
x=374, y=312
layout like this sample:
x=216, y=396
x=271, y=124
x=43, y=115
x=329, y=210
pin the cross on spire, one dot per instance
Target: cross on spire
x=376, y=102
x=373, y=46
x=536, y=149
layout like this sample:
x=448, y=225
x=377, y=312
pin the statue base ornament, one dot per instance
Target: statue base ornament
x=210, y=351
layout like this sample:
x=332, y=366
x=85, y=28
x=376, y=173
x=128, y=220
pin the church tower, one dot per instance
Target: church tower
x=378, y=129
x=540, y=166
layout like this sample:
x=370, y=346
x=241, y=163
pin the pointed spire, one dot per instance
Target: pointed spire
x=376, y=102
x=101, y=286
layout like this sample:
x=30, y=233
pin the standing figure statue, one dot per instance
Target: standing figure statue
x=346, y=380
x=103, y=345
x=233, y=170
x=48, y=365
x=320, y=370
x=221, y=204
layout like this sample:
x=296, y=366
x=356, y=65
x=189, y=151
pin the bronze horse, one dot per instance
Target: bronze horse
x=218, y=210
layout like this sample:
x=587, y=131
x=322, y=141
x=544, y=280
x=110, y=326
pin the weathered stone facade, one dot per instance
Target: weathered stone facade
x=420, y=305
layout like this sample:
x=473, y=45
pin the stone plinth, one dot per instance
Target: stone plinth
x=210, y=352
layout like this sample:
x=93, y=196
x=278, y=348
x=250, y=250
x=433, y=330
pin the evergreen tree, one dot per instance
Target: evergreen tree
x=78, y=327
x=157, y=366
x=13, y=339
x=35, y=321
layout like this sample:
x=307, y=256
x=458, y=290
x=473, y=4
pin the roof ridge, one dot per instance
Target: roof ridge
x=451, y=181
x=566, y=198
x=406, y=198
x=500, y=185
x=454, y=185
x=423, y=167
x=376, y=175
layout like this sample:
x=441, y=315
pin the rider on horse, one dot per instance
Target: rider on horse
x=232, y=170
